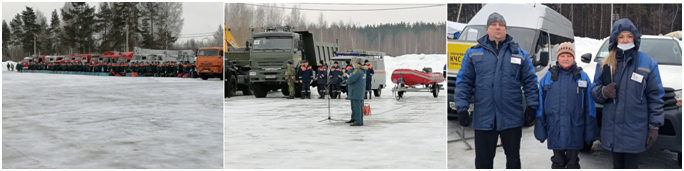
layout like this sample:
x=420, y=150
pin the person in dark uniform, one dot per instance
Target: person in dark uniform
x=306, y=77
x=322, y=77
x=369, y=79
x=336, y=80
x=356, y=84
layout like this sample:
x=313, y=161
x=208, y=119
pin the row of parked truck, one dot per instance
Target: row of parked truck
x=141, y=55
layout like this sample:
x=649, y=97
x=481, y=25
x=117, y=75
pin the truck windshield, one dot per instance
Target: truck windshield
x=208, y=52
x=523, y=36
x=264, y=43
x=665, y=51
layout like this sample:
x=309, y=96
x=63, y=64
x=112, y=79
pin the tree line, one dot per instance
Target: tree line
x=594, y=20
x=392, y=38
x=80, y=28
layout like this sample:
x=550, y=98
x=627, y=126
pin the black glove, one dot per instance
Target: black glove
x=530, y=115
x=652, y=136
x=609, y=91
x=464, y=118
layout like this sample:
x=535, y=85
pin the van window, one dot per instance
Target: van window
x=664, y=51
x=523, y=36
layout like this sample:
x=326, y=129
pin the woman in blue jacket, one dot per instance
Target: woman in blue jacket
x=627, y=83
x=566, y=116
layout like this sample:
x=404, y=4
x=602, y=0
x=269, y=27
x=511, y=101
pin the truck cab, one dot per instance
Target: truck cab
x=210, y=62
x=536, y=28
x=270, y=51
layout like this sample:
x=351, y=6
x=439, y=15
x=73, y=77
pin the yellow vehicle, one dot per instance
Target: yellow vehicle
x=535, y=27
x=229, y=41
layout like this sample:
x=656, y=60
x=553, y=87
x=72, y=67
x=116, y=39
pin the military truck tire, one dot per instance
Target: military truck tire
x=247, y=89
x=231, y=86
x=298, y=90
x=204, y=76
x=259, y=90
x=220, y=76
x=285, y=90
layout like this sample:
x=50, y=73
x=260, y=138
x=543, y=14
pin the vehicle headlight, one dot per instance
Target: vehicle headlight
x=252, y=73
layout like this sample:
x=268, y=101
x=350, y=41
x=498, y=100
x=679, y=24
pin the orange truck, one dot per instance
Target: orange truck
x=210, y=62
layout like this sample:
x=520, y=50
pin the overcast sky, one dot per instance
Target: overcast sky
x=371, y=16
x=200, y=17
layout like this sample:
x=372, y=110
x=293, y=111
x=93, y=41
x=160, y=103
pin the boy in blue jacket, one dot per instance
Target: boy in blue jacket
x=566, y=116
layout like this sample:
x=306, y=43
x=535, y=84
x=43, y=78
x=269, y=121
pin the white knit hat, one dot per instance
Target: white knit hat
x=566, y=47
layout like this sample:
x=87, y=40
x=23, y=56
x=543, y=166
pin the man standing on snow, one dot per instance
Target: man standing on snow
x=356, y=83
x=322, y=77
x=306, y=77
x=291, y=79
x=496, y=68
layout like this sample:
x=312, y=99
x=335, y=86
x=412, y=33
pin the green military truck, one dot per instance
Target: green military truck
x=236, y=72
x=270, y=50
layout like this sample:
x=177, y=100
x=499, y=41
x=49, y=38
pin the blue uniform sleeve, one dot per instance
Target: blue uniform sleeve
x=529, y=80
x=540, y=121
x=590, y=122
x=654, y=97
x=353, y=77
x=372, y=71
x=597, y=86
x=465, y=82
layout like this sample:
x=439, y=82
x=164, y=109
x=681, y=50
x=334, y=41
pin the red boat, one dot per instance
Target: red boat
x=412, y=77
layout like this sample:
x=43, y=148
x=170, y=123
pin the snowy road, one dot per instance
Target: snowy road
x=77, y=121
x=275, y=132
x=535, y=155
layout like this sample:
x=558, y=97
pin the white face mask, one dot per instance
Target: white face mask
x=625, y=47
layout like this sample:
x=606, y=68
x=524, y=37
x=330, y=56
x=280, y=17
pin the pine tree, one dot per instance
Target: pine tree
x=55, y=32
x=30, y=29
x=78, y=27
x=104, y=24
x=5, y=39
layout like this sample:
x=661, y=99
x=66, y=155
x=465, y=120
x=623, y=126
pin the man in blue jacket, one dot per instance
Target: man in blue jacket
x=356, y=83
x=627, y=83
x=566, y=115
x=322, y=77
x=306, y=77
x=336, y=79
x=493, y=71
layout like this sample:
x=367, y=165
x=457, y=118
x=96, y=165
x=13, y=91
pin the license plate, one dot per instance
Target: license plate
x=270, y=76
x=205, y=70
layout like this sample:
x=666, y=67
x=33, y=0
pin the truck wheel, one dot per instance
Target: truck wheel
x=285, y=90
x=204, y=76
x=679, y=158
x=220, y=76
x=231, y=86
x=377, y=92
x=247, y=89
x=259, y=90
x=298, y=90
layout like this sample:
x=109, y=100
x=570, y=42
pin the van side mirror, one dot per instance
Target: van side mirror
x=586, y=58
x=543, y=59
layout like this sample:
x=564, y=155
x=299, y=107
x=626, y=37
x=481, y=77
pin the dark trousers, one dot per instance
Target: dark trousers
x=625, y=160
x=565, y=159
x=306, y=85
x=485, y=147
x=357, y=111
x=321, y=89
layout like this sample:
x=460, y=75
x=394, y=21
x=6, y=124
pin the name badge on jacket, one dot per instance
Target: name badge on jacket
x=637, y=77
x=582, y=83
x=515, y=61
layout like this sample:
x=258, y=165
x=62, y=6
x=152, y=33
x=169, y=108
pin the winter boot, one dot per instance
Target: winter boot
x=290, y=97
x=308, y=94
x=370, y=95
x=303, y=94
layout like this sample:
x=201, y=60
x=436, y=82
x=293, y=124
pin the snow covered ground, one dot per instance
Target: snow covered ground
x=275, y=132
x=77, y=121
x=535, y=155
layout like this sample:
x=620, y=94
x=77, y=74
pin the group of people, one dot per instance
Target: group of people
x=157, y=69
x=626, y=82
x=324, y=77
